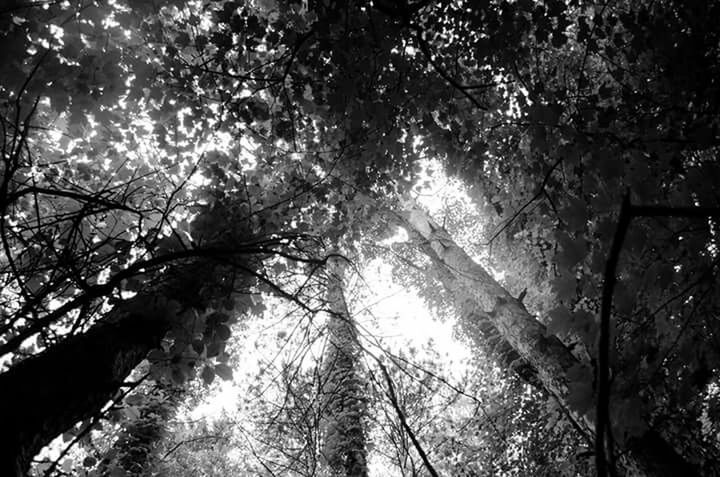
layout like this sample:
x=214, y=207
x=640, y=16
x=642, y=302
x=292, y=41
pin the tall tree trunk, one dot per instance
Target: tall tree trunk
x=46, y=394
x=344, y=402
x=551, y=360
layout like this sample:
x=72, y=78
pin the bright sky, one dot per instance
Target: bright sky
x=397, y=316
x=390, y=312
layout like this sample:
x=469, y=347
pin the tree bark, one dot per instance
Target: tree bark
x=475, y=322
x=551, y=360
x=345, y=448
x=46, y=394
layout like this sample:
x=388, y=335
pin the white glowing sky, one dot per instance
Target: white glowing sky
x=401, y=317
x=396, y=315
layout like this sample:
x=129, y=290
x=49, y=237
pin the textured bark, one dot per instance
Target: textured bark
x=475, y=322
x=45, y=395
x=345, y=447
x=547, y=355
x=499, y=348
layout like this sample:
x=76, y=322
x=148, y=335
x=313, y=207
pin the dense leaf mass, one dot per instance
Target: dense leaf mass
x=172, y=168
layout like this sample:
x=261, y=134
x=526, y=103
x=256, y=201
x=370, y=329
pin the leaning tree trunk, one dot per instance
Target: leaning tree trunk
x=477, y=323
x=46, y=394
x=546, y=356
x=345, y=448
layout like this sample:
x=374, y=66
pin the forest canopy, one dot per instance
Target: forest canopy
x=175, y=174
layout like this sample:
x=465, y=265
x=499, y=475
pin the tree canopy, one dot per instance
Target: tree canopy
x=171, y=169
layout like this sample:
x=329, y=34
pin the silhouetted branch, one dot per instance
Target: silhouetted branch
x=541, y=191
x=403, y=421
x=627, y=213
x=464, y=90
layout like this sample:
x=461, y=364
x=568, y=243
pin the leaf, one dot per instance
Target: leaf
x=223, y=332
x=208, y=375
x=134, y=399
x=629, y=413
x=624, y=299
x=217, y=317
x=583, y=324
x=214, y=349
x=198, y=346
x=665, y=276
x=224, y=371
x=157, y=355
x=565, y=287
x=580, y=390
x=573, y=250
x=131, y=412
x=607, y=164
x=575, y=214
x=228, y=304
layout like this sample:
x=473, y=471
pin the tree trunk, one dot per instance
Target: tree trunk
x=344, y=438
x=475, y=322
x=546, y=355
x=46, y=394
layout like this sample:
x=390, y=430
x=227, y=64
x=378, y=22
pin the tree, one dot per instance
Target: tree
x=127, y=178
x=77, y=246
x=344, y=402
x=101, y=358
x=480, y=424
x=554, y=363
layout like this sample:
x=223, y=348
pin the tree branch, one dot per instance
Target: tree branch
x=541, y=191
x=71, y=195
x=190, y=441
x=603, y=370
x=135, y=268
x=627, y=213
x=464, y=90
x=403, y=421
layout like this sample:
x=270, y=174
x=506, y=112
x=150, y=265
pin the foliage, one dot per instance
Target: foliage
x=477, y=424
x=208, y=154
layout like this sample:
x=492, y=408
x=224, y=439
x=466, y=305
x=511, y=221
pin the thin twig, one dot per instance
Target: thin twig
x=541, y=191
x=464, y=90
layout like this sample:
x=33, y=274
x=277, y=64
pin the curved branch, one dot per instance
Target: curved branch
x=98, y=291
x=603, y=372
x=627, y=213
